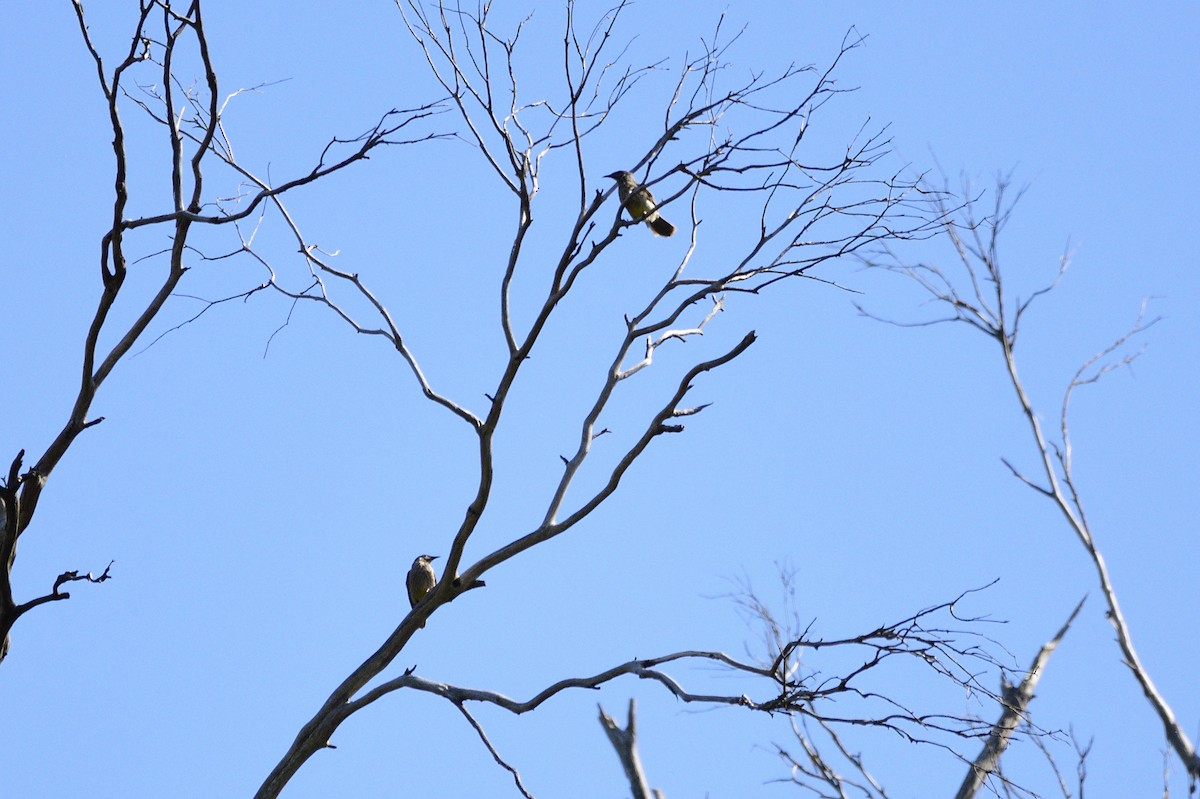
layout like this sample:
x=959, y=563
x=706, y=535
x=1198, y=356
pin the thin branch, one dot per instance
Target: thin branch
x=56, y=595
x=500, y=761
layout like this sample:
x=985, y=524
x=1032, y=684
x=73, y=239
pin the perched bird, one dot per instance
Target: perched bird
x=639, y=202
x=421, y=579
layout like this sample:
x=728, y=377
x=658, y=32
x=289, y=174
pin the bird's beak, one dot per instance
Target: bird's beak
x=434, y=557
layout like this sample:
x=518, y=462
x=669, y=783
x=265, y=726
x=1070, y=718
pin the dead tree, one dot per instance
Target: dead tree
x=718, y=150
x=973, y=292
x=716, y=146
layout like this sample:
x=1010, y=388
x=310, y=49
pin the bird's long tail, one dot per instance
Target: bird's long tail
x=661, y=227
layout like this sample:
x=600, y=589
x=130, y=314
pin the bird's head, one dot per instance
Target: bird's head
x=619, y=176
x=426, y=558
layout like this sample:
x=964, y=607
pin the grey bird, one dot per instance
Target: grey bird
x=640, y=204
x=421, y=579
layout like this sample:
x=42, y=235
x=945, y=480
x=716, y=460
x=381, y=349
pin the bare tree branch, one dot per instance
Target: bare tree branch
x=815, y=772
x=190, y=118
x=504, y=764
x=987, y=308
x=1016, y=704
x=624, y=741
x=913, y=639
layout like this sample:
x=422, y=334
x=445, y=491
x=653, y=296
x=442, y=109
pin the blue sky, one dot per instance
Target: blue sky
x=262, y=504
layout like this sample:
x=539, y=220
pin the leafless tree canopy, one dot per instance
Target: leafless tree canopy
x=719, y=148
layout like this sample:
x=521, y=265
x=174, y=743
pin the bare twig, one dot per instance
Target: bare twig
x=500, y=761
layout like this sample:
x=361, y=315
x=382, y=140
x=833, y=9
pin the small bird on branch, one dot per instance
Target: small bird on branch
x=639, y=202
x=421, y=579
